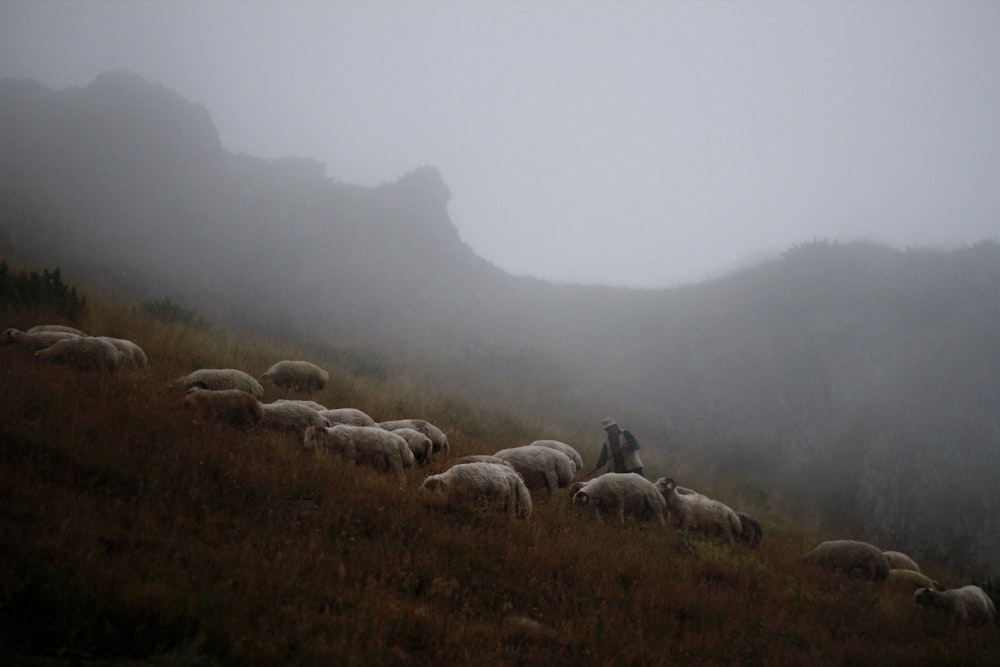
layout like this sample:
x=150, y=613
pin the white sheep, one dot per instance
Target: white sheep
x=368, y=445
x=228, y=405
x=349, y=416
x=419, y=444
x=566, y=449
x=541, y=467
x=221, y=378
x=84, y=353
x=900, y=561
x=969, y=604
x=297, y=376
x=436, y=435
x=60, y=328
x=621, y=493
x=694, y=511
x=851, y=557
x=907, y=581
x=291, y=417
x=478, y=458
x=490, y=485
x=34, y=340
x=135, y=357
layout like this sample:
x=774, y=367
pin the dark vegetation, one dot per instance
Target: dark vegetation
x=29, y=289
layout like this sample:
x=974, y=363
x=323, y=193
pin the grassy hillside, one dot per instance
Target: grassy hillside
x=134, y=535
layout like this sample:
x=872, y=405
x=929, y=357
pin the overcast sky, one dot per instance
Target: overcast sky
x=627, y=143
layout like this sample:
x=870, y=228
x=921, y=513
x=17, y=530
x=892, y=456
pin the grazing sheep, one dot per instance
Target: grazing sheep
x=436, y=435
x=291, y=417
x=851, y=557
x=900, y=561
x=969, y=604
x=491, y=485
x=541, y=467
x=135, y=357
x=60, y=328
x=622, y=493
x=907, y=581
x=369, y=445
x=34, y=340
x=478, y=458
x=318, y=407
x=751, y=533
x=84, y=353
x=419, y=444
x=693, y=511
x=221, y=378
x=349, y=416
x=568, y=450
x=227, y=405
x=296, y=376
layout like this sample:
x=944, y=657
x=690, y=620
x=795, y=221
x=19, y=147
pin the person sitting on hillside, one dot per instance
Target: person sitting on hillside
x=621, y=448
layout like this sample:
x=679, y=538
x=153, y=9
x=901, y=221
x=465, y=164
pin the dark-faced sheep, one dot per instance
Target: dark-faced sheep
x=297, y=376
x=751, y=533
x=694, y=511
x=852, y=557
x=84, y=353
x=968, y=604
x=541, y=467
x=620, y=494
x=233, y=406
x=492, y=486
x=221, y=378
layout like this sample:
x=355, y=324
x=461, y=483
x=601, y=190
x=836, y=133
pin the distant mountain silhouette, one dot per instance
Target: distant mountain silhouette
x=858, y=382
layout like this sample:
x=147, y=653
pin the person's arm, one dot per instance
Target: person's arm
x=602, y=459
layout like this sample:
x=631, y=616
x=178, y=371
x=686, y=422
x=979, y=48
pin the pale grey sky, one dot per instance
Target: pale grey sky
x=628, y=143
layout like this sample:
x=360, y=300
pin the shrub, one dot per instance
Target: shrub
x=28, y=290
x=167, y=310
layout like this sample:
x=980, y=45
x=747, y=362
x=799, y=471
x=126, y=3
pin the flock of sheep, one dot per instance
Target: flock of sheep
x=503, y=481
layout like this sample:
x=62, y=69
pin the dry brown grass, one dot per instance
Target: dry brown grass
x=131, y=533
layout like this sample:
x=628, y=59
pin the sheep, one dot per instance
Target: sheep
x=851, y=557
x=906, y=580
x=436, y=435
x=349, y=416
x=84, y=353
x=900, y=561
x=693, y=511
x=751, y=533
x=478, y=458
x=623, y=493
x=491, y=485
x=297, y=376
x=419, y=444
x=969, y=604
x=229, y=405
x=568, y=450
x=135, y=357
x=318, y=407
x=291, y=416
x=541, y=467
x=34, y=340
x=221, y=378
x=60, y=328
x=369, y=445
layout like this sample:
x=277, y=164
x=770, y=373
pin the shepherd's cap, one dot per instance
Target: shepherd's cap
x=608, y=422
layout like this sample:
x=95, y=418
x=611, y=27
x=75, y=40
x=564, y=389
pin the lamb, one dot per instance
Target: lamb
x=623, y=493
x=297, y=376
x=969, y=604
x=291, y=417
x=84, y=353
x=228, y=405
x=419, y=444
x=906, y=580
x=369, y=445
x=491, y=485
x=135, y=357
x=221, y=378
x=568, y=450
x=436, y=435
x=349, y=416
x=693, y=511
x=900, y=561
x=851, y=557
x=751, y=533
x=541, y=467
x=34, y=340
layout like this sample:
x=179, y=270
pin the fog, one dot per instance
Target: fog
x=642, y=144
